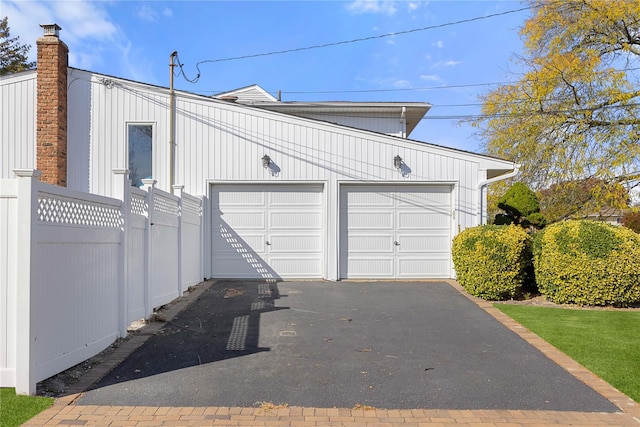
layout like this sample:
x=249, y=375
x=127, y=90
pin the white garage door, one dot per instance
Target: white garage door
x=267, y=231
x=395, y=231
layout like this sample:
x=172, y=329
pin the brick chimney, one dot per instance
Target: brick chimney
x=51, y=128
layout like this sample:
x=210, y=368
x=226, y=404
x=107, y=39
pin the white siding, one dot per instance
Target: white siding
x=103, y=106
x=17, y=123
x=222, y=142
x=78, y=130
x=226, y=142
x=389, y=123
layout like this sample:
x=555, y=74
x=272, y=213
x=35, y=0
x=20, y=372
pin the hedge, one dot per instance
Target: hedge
x=588, y=263
x=492, y=261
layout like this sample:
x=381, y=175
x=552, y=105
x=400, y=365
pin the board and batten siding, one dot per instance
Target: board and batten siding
x=17, y=123
x=78, y=130
x=218, y=142
x=103, y=107
x=223, y=142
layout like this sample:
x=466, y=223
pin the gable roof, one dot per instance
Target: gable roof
x=255, y=95
x=247, y=95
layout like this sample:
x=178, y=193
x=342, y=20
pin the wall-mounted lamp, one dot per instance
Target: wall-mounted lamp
x=397, y=162
x=266, y=161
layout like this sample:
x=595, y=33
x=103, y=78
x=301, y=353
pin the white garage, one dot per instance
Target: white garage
x=395, y=231
x=272, y=231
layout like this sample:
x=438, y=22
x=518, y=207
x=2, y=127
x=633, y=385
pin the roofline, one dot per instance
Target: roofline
x=249, y=106
x=345, y=104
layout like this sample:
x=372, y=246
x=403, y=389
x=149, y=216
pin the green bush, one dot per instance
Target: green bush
x=521, y=207
x=519, y=201
x=588, y=263
x=492, y=261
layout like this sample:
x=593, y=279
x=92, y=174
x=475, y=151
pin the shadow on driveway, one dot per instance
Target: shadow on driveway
x=393, y=345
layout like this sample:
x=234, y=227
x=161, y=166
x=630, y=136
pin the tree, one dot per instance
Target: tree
x=13, y=55
x=577, y=199
x=521, y=207
x=574, y=114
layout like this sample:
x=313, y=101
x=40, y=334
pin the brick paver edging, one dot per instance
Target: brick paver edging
x=65, y=413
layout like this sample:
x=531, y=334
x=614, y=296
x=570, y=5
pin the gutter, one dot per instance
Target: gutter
x=482, y=220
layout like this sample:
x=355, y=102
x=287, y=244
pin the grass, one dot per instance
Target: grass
x=15, y=409
x=607, y=342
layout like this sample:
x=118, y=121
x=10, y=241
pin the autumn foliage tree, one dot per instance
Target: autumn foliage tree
x=574, y=114
x=577, y=199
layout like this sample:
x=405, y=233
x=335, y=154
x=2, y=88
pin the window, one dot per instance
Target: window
x=140, y=143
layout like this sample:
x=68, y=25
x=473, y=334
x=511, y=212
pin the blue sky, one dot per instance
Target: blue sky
x=448, y=66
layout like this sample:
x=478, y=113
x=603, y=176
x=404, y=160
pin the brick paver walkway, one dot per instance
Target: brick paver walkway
x=66, y=413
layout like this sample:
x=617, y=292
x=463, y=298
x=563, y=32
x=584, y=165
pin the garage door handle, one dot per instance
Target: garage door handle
x=267, y=243
x=396, y=243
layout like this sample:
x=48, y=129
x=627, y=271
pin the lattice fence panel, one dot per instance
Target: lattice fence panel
x=60, y=210
x=165, y=205
x=139, y=205
x=191, y=206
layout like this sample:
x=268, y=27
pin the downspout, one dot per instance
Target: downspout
x=403, y=121
x=172, y=118
x=483, y=185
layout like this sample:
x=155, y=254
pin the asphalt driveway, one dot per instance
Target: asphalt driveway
x=387, y=345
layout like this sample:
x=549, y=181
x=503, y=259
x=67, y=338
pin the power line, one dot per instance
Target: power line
x=344, y=42
x=413, y=89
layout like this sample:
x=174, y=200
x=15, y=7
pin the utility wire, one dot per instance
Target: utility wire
x=413, y=89
x=344, y=42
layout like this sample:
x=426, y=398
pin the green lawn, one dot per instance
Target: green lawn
x=607, y=342
x=15, y=410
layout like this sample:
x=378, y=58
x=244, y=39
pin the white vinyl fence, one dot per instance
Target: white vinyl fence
x=76, y=269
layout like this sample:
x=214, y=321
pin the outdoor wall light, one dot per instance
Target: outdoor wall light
x=397, y=162
x=266, y=161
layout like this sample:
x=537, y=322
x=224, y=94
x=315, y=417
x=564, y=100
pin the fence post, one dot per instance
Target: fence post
x=25, y=339
x=178, y=190
x=149, y=185
x=122, y=191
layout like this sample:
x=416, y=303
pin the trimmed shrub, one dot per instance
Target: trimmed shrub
x=521, y=207
x=492, y=261
x=519, y=201
x=588, y=263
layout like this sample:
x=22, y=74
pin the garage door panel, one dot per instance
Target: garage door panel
x=295, y=220
x=232, y=242
x=267, y=231
x=371, y=243
x=395, y=231
x=370, y=268
x=423, y=199
x=245, y=220
x=422, y=221
x=414, y=244
x=371, y=220
x=420, y=267
x=285, y=243
x=361, y=198
x=296, y=199
x=242, y=197
x=297, y=266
